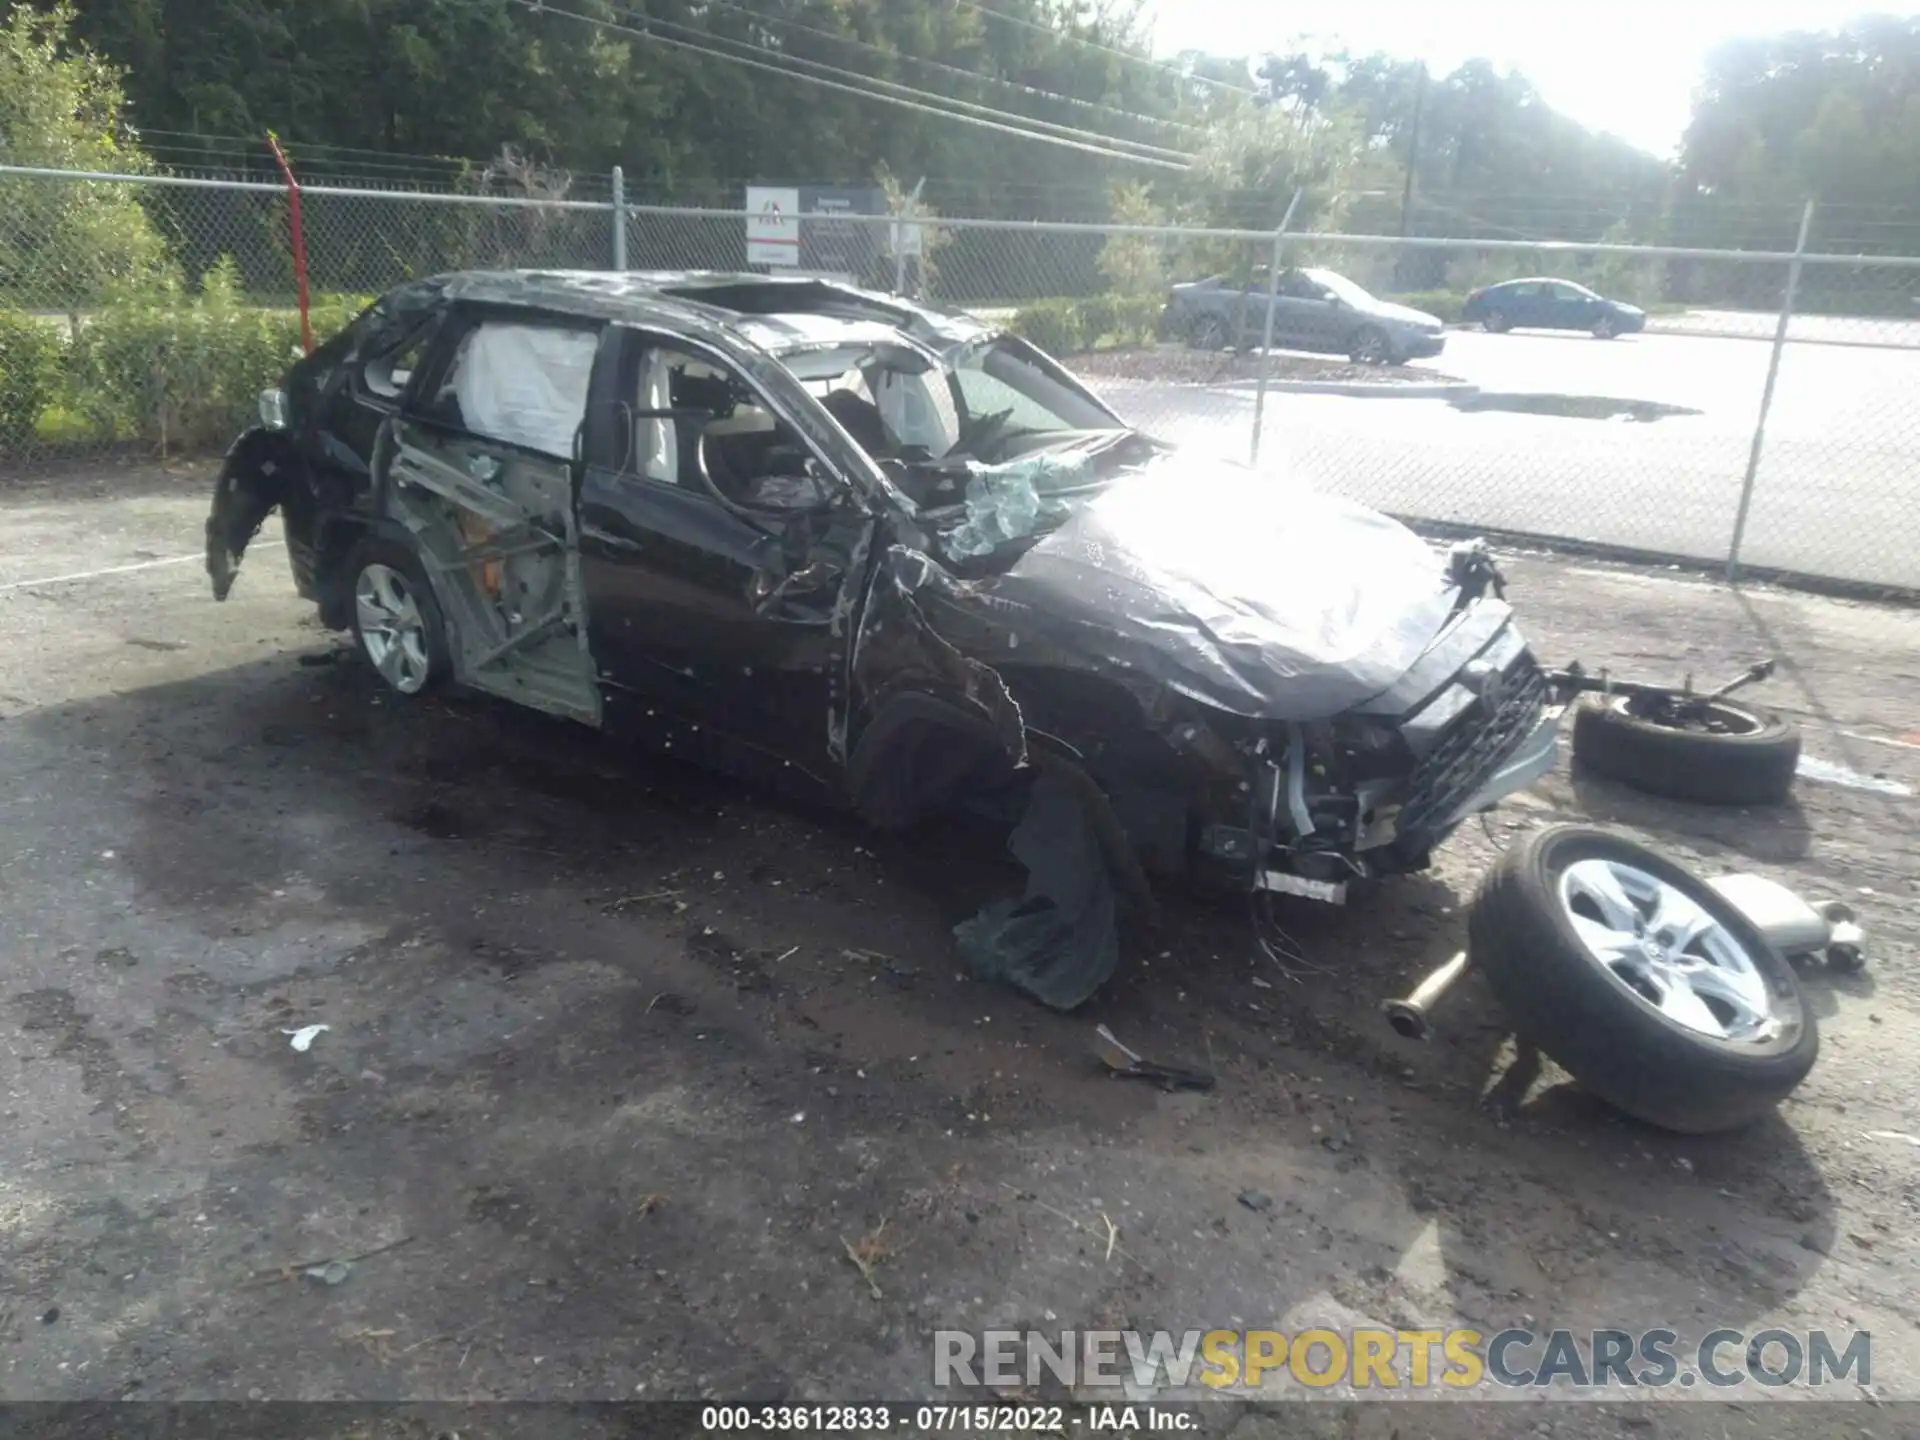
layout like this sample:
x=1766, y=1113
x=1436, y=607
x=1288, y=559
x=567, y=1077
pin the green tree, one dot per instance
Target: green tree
x=1134, y=264
x=63, y=107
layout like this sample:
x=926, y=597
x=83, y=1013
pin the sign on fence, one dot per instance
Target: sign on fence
x=773, y=225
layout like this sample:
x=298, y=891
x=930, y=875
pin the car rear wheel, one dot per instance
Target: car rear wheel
x=1641, y=980
x=1371, y=347
x=396, y=620
x=1497, y=323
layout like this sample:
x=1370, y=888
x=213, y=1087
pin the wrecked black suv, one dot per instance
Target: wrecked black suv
x=877, y=552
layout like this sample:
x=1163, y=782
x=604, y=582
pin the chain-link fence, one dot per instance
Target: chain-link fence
x=1752, y=403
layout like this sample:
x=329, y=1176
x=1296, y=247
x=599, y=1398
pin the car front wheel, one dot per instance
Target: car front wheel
x=1605, y=328
x=396, y=620
x=1371, y=347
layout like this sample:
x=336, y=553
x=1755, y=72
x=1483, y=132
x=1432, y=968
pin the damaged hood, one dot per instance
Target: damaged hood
x=1242, y=591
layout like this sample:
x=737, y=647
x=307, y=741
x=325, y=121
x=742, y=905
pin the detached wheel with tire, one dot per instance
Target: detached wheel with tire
x=1642, y=982
x=1714, y=752
x=396, y=621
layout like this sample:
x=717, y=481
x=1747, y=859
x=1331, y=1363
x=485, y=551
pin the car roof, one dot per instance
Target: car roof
x=776, y=313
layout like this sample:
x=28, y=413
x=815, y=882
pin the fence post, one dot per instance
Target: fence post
x=619, y=218
x=1766, y=394
x=1266, y=338
x=298, y=226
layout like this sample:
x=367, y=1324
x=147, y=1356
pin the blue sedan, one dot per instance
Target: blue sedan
x=1540, y=304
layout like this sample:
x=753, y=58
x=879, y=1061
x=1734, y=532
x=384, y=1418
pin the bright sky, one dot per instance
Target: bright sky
x=1628, y=66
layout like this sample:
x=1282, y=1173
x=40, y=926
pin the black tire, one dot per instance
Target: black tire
x=1370, y=346
x=1605, y=328
x=1210, y=333
x=400, y=559
x=1614, y=1042
x=1496, y=323
x=1754, y=766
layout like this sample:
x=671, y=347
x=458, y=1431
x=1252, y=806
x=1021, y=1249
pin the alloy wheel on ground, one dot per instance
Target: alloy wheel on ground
x=1665, y=949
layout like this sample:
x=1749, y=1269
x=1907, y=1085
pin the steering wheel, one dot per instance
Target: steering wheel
x=703, y=473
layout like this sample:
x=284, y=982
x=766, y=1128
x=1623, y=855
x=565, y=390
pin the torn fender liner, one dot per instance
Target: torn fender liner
x=253, y=480
x=1059, y=942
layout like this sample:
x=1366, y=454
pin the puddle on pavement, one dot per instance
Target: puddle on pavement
x=1572, y=407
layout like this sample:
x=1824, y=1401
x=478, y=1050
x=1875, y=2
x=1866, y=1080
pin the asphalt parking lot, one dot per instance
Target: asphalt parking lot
x=1837, y=492
x=622, y=1060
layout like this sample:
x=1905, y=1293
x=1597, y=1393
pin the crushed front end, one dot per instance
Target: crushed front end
x=1375, y=790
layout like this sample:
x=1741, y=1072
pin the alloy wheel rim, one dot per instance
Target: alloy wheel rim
x=1668, y=951
x=392, y=629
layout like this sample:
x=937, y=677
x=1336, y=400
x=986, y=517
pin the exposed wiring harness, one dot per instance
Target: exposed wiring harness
x=1274, y=940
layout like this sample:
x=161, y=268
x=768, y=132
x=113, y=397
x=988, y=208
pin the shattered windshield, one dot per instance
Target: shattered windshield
x=1004, y=394
x=990, y=441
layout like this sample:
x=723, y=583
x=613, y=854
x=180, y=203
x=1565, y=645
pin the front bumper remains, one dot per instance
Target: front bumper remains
x=1481, y=723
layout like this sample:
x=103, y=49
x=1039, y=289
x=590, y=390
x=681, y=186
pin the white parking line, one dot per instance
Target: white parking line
x=96, y=574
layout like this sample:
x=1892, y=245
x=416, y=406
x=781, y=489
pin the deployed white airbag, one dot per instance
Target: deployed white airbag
x=525, y=384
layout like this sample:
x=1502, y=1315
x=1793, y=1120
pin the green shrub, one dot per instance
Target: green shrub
x=31, y=357
x=1136, y=319
x=1053, y=325
x=1091, y=322
x=1099, y=315
x=183, y=372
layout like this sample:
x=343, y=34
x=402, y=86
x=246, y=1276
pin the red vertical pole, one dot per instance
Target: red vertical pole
x=299, y=240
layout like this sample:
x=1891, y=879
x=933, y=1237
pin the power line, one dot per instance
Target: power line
x=1072, y=39
x=1068, y=131
x=542, y=7
x=1001, y=80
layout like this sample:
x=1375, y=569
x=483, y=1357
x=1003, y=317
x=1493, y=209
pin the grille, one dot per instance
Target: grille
x=1474, y=748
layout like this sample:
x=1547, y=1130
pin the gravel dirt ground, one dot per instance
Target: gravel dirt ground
x=622, y=1059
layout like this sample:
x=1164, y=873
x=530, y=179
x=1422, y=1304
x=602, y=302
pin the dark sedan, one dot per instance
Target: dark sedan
x=1540, y=304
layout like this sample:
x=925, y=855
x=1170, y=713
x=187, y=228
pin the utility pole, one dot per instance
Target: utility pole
x=1413, y=151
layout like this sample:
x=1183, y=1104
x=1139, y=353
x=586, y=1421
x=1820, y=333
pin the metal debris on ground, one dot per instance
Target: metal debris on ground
x=329, y=1270
x=1256, y=1200
x=614, y=907
x=304, y=1037
x=866, y=1253
x=1123, y=1061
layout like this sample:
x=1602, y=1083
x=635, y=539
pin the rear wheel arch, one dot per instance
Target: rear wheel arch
x=337, y=536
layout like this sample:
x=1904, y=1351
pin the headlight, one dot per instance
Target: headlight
x=273, y=409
